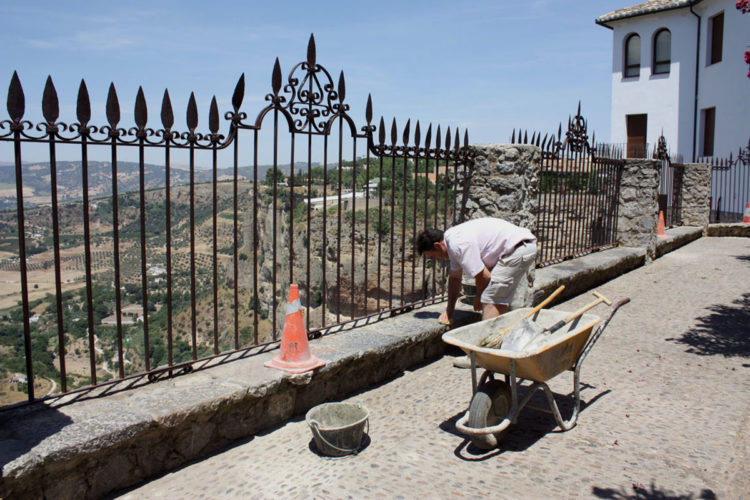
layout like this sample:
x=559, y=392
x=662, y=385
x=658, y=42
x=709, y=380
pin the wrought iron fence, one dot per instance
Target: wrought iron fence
x=670, y=183
x=190, y=272
x=633, y=150
x=730, y=185
x=579, y=184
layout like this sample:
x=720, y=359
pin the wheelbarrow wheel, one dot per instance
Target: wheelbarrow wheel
x=489, y=407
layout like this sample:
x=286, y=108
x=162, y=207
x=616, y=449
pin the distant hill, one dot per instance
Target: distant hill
x=37, y=190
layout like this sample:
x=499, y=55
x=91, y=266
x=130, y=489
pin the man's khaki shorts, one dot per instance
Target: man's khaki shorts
x=508, y=273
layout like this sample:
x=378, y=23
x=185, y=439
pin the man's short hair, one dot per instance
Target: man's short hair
x=426, y=239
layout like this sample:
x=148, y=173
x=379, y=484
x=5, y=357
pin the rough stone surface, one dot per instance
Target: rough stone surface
x=665, y=412
x=584, y=273
x=696, y=193
x=638, y=205
x=736, y=229
x=677, y=237
x=503, y=183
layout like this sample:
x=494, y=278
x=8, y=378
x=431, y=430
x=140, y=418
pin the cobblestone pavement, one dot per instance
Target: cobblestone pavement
x=665, y=412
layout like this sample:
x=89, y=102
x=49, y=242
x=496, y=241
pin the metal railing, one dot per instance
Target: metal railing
x=670, y=183
x=730, y=185
x=579, y=184
x=187, y=271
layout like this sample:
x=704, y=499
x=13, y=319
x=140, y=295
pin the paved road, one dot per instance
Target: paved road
x=666, y=412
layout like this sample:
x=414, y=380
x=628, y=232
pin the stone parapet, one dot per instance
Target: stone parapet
x=638, y=208
x=503, y=183
x=737, y=229
x=677, y=237
x=85, y=445
x=696, y=194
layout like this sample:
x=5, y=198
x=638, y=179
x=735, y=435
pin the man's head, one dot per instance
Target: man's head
x=430, y=243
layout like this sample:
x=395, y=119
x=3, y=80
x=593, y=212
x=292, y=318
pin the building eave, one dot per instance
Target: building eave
x=605, y=21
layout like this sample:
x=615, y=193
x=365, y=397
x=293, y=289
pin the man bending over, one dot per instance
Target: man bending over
x=495, y=252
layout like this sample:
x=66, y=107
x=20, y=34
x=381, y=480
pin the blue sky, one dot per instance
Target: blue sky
x=488, y=66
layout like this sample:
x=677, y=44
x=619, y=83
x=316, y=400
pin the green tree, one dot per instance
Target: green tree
x=270, y=176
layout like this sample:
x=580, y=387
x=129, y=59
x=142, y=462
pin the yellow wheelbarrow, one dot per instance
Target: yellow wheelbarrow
x=495, y=404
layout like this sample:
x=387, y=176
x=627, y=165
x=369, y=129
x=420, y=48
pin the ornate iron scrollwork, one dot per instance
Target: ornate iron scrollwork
x=743, y=156
x=576, y=138
x=312, y=97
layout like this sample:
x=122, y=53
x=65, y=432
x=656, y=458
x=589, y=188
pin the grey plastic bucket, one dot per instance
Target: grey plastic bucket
x=338, y=427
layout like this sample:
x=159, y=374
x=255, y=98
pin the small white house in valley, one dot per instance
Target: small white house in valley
x=678, y=69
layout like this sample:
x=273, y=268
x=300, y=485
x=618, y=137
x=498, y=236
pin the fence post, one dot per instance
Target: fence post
x=696, y=192
x=638, y=208
x=503, y=183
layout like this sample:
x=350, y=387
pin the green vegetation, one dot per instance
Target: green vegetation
x=396, y=193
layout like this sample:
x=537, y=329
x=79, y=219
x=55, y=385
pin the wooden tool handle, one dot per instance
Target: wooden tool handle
x=601, y=298
x=536, y=309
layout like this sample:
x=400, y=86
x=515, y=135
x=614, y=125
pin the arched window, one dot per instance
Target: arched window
x=632, y=55
x=662, y=51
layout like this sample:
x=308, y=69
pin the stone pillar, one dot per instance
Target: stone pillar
x=503, y=184
x=696, y=195
x=638, y=208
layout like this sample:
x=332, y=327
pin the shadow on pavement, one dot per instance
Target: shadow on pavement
x=362, y=446
x=641, y=492
x=426, y=315
x=531, y=426
x=723, y=331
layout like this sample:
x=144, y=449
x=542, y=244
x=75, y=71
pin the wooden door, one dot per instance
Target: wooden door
x=636, y=125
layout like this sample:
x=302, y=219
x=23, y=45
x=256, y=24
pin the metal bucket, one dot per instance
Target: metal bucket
x=338, y=427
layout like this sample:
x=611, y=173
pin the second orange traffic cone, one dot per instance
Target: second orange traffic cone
x=746, y=218
x=295, y=356
x=660, y=228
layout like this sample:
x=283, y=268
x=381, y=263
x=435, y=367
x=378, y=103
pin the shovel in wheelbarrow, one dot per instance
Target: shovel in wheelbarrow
x=529, y=335
x=494, y=339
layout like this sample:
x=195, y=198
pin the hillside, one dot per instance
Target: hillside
x=37, y=189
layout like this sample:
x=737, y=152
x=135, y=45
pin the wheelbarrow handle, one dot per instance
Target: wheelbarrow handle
x=599, y=299
x=600, y=329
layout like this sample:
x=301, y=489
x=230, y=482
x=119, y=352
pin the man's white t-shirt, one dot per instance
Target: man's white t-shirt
x=480, y=243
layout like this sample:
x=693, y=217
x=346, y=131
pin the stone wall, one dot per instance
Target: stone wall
x=696, y=194
x=638, y=209
x=503, y=183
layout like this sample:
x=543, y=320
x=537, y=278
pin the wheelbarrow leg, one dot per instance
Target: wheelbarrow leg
x=565, y=425
x=473, y=358
x=571, y=422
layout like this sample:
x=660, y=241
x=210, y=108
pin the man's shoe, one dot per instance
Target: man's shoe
x=462, y=362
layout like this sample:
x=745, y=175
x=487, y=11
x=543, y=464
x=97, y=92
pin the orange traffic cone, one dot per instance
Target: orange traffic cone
x=660, y=231
x=746, y=218
x=295, y=354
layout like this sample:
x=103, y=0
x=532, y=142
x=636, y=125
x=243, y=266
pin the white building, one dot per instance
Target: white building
x=332, y=201
x=678, y=68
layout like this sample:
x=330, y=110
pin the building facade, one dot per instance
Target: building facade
x=678, y=70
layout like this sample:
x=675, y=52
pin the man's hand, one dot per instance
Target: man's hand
x=444, y=319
